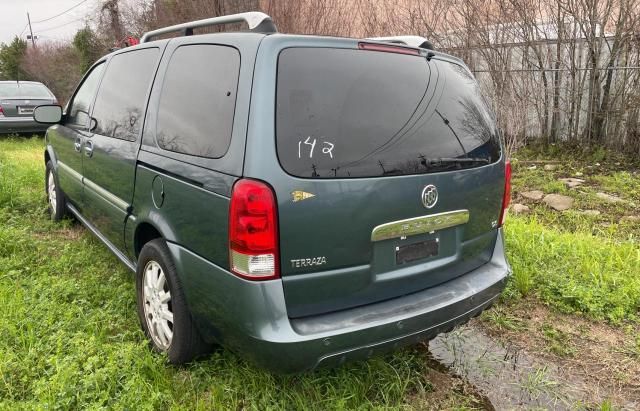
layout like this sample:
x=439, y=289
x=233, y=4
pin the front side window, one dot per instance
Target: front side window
x=198, y=99
x=78, y=112
x=119, y=107
x=358, y=113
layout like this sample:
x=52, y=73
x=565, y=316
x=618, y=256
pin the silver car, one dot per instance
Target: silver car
x=17, y=101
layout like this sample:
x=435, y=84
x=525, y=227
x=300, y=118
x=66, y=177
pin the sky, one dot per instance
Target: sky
x=13, y=18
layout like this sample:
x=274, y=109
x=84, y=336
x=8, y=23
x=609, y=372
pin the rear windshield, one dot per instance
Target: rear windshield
x=361, y=113
x=23, y=90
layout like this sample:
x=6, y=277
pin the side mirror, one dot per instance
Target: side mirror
x=48, y=114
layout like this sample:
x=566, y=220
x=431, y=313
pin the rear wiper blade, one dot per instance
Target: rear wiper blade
x=447, y=161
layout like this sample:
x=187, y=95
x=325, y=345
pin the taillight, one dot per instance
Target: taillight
x=253, y=231
x=388, y=48
x=1, y=112
x=506, y=198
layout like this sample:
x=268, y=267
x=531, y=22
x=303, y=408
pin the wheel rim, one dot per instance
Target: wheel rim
x=51, y=191
x=157, y=305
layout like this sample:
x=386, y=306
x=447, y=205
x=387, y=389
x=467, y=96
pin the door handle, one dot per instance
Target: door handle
x=88, y=148
x=78, y=144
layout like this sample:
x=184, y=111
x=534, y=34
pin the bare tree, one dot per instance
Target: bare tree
x=54, y=64
x=560, y=70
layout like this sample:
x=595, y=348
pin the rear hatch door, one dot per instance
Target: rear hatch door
x=394, y=175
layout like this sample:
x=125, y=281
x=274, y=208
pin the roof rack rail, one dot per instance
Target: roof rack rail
x=411, y=41
x=257, y=21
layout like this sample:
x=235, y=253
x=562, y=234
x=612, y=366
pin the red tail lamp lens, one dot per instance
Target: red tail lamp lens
x=253, y=231
x=506, y=198
x=388, y=48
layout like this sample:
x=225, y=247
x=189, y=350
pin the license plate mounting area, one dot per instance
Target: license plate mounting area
x=417, y=251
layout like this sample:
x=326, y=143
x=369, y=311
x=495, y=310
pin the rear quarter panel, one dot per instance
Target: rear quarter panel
x=194, y=213
x=181, y=209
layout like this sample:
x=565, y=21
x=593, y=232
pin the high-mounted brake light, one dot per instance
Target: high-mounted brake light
x=253, y=231
x=388, y=48
x=506, y=198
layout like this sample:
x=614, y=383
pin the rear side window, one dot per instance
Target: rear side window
x=197, y=104
x=359, y=113
x=119, y=107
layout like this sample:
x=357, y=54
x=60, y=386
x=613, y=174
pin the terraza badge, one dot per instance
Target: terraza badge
x=308, y=262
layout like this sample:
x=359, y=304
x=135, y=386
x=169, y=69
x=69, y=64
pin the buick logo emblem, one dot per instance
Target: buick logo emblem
x=429, y=196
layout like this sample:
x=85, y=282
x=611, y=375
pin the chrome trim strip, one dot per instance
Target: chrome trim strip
x=70, y=171
x=113, y=199
x=419, y=225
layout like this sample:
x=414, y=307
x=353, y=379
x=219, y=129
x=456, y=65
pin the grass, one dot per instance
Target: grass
x=575, y=272
x=575, y=262
x=538, y=384
x=502, y=320
x=603, y=172
x=558, y=341
x=70, y=339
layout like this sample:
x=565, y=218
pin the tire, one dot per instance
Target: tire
x=55, y=196
x=177, y=336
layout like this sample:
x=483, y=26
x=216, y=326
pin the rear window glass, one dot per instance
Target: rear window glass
x=359, y=113
x=24, y=90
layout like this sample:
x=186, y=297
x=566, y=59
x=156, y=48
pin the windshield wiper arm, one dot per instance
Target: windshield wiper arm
x=448, y=161
x=448, y=124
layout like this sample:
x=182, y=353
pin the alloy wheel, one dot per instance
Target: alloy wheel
x=157, y=305
x=51, y=191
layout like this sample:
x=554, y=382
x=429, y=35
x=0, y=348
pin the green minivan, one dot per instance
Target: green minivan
x=301, y=200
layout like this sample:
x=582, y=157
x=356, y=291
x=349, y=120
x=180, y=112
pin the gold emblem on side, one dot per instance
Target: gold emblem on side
x=301, y=195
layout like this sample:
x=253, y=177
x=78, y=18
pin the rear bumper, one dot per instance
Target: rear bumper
x=21, y=125
x=251, y=317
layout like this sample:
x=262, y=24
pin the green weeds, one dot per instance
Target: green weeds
x=575, y=272
x=577, y=261
x=558, y=342
x=617, y=175
x=539, y=384
x=501, y=320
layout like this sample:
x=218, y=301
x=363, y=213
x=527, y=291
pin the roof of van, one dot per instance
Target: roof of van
x=257, y=37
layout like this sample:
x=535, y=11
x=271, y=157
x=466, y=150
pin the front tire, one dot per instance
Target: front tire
x=162, y=309
x=55, y=196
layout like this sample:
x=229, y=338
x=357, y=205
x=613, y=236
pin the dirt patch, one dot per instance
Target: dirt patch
x=605, y=357
x=71, y=233
x=67, y=233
